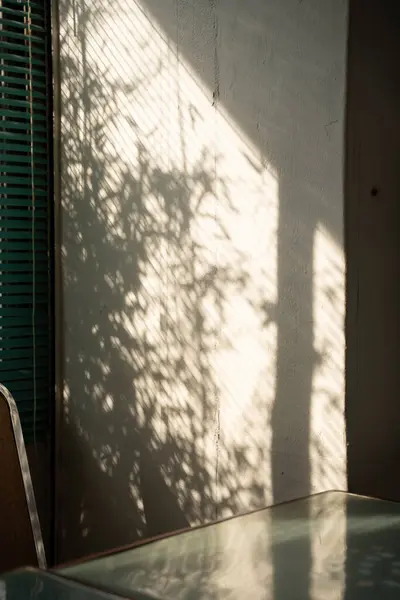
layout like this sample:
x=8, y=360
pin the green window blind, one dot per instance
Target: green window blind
x=26, y=363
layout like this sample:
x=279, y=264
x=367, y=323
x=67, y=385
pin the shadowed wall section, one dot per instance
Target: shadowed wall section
x=372, y=212
x=203, y=262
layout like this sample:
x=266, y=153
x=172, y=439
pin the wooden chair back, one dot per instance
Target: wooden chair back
x=21, y=542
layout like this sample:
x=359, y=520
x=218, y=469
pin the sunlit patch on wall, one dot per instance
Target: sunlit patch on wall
x=327, y=426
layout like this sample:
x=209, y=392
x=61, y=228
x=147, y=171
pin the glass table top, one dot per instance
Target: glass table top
x=330, y=546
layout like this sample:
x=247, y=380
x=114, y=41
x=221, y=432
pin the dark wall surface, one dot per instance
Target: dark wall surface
x=372, y=232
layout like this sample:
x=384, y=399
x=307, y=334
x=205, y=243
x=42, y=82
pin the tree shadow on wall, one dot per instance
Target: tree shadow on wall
x=276, y=68
x=141, y=416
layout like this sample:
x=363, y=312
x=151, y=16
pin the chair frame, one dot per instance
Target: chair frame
x=26, y=476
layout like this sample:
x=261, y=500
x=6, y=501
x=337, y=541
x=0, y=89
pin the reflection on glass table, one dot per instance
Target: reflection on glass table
x=330, y=546
x=32, y=584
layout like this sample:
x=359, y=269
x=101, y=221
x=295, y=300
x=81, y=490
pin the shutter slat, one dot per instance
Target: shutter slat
x=20, y=47
x=22, y=59
x=22, y=92
x=21, y=116
x=41, y=342
x=21, y=6
x=19, y=222
x=39, y=418
x=14, y=12
x=18, y=117
x=21, y=245
x=19, y=353
x=21, y=137
x=22, y=353
x=30, y=334
x=20, y=81
x=22, y=221
x=26, y=71
x=22, y=315
x=24, y=278
x=27, y=3
x=10, y=344
x=25, y=37
x=23, y=180
x=25, y=169
x=20, y=235
x=23, y=256
x=10, y=203
x=20, y=158
x=25, y=299
x=21, y=103
x=18, y=148
x=23, y=26
x=24, y=375
x=22, y=215
x=25, y=398
x=20, y=383
x=27, y=363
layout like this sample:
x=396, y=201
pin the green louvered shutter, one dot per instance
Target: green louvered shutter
x=25, y=212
